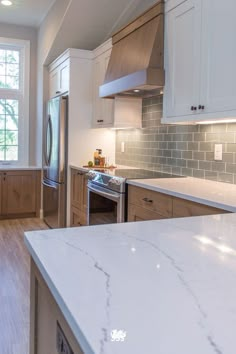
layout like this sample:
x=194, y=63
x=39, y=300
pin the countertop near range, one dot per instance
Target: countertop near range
x=110, y=171
x=4, y=167
x=215, y=194
x=169, y=285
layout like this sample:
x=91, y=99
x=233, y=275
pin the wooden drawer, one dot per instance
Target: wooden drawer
x=153, y=201
x=183, y=207
x=137, y=213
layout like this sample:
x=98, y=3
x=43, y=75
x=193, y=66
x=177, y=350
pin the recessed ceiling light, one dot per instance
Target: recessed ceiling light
x=6, y=2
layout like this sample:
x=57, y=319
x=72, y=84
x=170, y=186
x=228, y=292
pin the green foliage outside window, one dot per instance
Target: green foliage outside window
x=9, y=80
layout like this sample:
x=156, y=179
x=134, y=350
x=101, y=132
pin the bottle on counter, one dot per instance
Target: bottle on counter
x=102, y=161
x=97, y=157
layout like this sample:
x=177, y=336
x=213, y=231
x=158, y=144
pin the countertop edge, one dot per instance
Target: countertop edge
x=189, y=197
x=65, y=311
x=19, y=168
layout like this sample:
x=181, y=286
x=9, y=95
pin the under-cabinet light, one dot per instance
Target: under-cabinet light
x=6, y=2
x=219, y=121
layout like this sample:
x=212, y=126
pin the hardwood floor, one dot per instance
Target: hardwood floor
x=15, y=285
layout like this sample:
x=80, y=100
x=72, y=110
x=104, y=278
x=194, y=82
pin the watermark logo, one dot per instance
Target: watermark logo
x=118, y=335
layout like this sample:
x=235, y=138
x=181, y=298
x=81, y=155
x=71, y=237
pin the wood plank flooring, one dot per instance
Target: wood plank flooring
x=15, y=285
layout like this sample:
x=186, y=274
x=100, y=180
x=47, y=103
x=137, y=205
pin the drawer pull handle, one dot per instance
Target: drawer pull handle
x=147, y=200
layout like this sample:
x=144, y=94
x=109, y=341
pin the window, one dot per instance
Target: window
x=14, y=101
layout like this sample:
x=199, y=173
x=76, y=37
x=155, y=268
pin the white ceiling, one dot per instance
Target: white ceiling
x=25, y=12
x=88, y=23
x=85, y=23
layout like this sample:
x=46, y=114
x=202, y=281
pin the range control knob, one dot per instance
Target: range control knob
x=91, y=175
x=115, y=181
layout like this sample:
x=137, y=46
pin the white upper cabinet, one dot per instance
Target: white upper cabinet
x=218, y=51
x=103, y=109
x=200, y=56
x=182, y=59
x=59, y=77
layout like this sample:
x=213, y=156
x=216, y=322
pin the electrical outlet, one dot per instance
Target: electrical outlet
x=218, y=152
x=122, y=146
x=63, y=346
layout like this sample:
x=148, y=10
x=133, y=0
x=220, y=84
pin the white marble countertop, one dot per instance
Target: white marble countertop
x=215, y=194
x=170, y=285
x=10, y=167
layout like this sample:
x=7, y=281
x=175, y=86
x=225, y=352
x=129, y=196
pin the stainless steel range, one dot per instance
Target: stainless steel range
x=107, y=193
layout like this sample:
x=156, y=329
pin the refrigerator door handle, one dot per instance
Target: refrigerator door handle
x=49, y=185
x=48, y=142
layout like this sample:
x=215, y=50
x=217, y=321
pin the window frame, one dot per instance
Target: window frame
x=23, y=96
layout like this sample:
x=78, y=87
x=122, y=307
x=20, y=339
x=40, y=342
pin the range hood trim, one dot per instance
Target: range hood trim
x=141, y=80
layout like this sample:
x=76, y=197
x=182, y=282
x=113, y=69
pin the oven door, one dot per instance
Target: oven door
x=104, y=206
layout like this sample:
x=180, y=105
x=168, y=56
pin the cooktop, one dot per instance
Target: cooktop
x=142, y=174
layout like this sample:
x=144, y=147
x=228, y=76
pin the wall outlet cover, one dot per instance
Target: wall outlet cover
x=122, y=147
x=218, y=152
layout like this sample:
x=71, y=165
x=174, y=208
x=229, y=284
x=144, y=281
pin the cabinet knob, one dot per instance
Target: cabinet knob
x=193, y=108
x=99, y=120
x=201, y=107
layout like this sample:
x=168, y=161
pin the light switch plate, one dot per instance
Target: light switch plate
x=218, y=152
x=122, y=146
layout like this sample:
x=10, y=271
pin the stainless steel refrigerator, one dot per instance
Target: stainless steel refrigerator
x=55, y=162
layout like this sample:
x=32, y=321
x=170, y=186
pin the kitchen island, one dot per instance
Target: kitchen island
x=156, y=287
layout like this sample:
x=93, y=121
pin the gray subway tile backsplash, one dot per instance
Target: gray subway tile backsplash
x=179, y=149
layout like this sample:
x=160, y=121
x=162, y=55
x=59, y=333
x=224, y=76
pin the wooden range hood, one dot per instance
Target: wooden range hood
x=136, y=64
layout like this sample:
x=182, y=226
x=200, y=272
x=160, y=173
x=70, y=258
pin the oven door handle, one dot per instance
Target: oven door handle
x=113, y=196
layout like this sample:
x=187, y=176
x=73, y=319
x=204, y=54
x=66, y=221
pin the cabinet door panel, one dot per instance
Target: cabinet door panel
x=76, y=188
x=59, y=79
x=103, y=109
x=151, y=201
x=182, y=58
x=108, y=105
x=78, y=198
x=64, y=77
x=183, y=208
x=53, y=83
x=137, y=213
x=19, y=193
x=218, y=89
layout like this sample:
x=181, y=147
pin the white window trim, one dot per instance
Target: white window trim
x=23, y=143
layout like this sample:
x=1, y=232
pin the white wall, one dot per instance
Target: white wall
x=27, y=33
x=46, y=35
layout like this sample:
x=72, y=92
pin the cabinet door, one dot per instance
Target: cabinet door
x=53, y=82
x=218, y=89
x=76, y=188
x=59, y=79
x=19, y=193
x=137, y=213
x=183, y=208
x=182, y=59
x=64, y=76
x=103, y=109
x=78, y=198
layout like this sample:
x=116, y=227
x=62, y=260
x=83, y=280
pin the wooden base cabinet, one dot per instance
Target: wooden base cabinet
x=148, y=205
x=78, y=198
x=20, y=193
x=46, y=319
x=144, y=204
